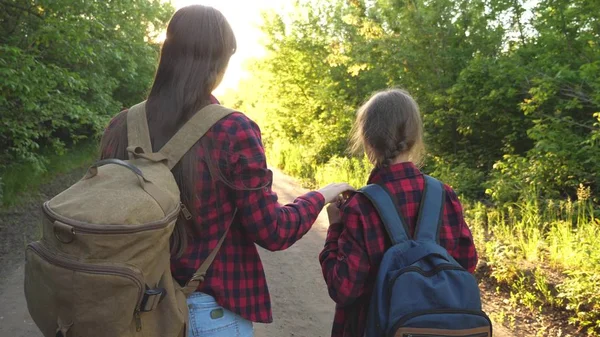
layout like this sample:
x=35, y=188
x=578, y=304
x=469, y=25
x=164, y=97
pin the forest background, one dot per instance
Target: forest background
x=509, y=92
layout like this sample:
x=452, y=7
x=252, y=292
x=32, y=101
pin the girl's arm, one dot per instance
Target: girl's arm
x=457, y=229
x=344, y=260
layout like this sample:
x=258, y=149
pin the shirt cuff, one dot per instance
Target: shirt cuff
x=316, y=199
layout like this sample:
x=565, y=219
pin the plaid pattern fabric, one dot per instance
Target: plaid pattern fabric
x=236, y=278
x=354, y=248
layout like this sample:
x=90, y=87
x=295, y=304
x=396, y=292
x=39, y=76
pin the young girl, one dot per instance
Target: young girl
x=225, y=170
x=389, y=129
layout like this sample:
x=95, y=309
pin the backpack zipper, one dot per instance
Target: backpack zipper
x=410, y=316
x=110, y=229
x=429, y=335
x=185, y=211
x=67, y=263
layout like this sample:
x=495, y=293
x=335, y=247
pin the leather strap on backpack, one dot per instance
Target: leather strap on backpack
x=199, y=275
x=138, y=134
x=192, y=131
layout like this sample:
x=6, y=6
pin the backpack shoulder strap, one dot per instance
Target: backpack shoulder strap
x=175, y=149
x=198, y=277
x=388, y=212
x=192, y=131
x=137, y=128
x=430, y=211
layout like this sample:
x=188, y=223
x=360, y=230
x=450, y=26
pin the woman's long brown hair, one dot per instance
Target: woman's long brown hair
x=193, y=59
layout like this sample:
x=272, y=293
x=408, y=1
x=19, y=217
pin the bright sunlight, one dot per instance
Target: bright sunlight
x=244, y=17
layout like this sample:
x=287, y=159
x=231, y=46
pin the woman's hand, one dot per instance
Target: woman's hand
x=331, y=192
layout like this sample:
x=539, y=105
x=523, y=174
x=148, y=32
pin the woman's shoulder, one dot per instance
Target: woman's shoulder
x=117, y=123
x=239, y=120
x=237, y=127
x=452, y=204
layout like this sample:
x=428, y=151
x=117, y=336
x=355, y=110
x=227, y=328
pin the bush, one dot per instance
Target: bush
x=291, y=159
x=465, y=180
x=353, y=170
x=67, y=67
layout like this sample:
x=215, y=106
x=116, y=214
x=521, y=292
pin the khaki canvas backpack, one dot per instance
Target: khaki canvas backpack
x=102, y=266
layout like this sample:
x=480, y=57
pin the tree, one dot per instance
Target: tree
x=69, y=66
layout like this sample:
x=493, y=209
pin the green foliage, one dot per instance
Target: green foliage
x=21, y=179
x=355, y=171
x=505, y=104
x=581, y=289
x=291, y=158
x=67, y=67
x=464, y=179
x=510, y=97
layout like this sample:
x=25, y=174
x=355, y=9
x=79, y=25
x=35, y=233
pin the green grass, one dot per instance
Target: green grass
x=18, y=180
x=546, y=253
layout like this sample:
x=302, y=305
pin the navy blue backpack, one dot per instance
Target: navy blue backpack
x=420, y=290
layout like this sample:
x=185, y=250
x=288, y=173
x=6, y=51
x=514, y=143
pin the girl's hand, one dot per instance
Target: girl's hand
x=332, y=191
x=334, y=213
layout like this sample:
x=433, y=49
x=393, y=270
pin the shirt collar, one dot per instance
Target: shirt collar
x=394, y=172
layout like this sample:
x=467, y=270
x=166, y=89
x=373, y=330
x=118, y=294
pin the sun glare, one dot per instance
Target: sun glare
x=244, y=16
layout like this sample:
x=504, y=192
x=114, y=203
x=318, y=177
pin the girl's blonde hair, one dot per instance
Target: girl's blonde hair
x=388, y=125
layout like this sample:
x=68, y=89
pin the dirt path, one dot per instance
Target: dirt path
x=19, y=226
x=301, y=305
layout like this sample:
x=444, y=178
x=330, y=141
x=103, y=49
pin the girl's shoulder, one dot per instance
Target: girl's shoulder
x=358, y=204
x=451, y=195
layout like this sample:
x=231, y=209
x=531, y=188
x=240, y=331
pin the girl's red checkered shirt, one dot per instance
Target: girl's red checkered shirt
x=354, y=247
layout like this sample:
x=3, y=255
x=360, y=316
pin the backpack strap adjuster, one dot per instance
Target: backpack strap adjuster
x=198, y=277
x=152, y=298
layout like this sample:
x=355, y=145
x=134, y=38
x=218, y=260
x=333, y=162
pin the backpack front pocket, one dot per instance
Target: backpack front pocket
x=72, y=298
x=448, y=323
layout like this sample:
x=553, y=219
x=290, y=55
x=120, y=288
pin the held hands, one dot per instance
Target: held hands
x=332, y=192
x=335, y=194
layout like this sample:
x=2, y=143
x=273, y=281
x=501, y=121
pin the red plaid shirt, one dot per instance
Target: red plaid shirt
x=354, y=248
x=236, y=278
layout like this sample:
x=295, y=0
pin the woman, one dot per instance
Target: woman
x=389, y=128
x=225, y=170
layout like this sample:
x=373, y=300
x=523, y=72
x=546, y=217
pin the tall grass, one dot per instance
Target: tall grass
x=546, y=252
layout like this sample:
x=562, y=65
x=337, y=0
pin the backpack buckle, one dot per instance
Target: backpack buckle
x=152, y=298
x=198, y=278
